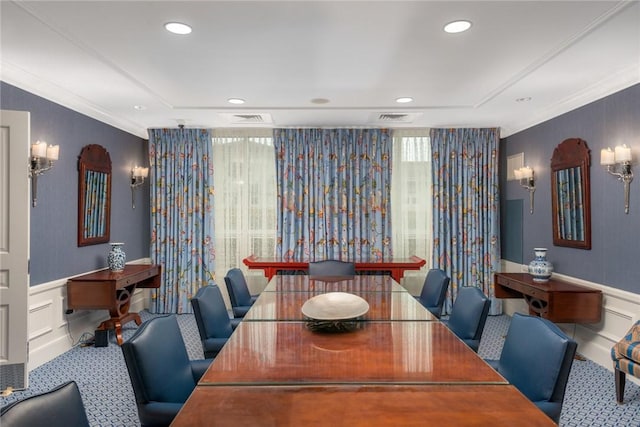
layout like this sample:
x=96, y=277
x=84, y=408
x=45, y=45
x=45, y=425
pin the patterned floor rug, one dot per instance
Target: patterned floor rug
x=108, y=397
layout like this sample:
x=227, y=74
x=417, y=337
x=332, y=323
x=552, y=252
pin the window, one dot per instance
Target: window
x=411, y=194
x=244, y=179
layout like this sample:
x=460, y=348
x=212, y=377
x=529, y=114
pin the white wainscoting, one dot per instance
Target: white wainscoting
x=52, y=331
x=620, y=310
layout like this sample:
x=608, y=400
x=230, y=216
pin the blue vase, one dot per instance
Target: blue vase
x=116, y=258
x=540, y=268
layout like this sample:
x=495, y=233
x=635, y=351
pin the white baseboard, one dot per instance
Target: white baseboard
x=619, y=312
x=52, y=331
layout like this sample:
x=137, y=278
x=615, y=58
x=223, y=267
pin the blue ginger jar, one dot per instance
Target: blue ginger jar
x=540, y=268
x=116, y=258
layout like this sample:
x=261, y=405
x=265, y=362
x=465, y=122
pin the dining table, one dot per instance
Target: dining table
x=396, y=365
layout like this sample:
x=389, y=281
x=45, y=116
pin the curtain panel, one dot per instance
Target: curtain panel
x=333, y=194
x=466, y=222
x=182, y=239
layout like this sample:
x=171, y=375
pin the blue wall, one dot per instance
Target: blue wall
x=54, y=250
x=614, y=259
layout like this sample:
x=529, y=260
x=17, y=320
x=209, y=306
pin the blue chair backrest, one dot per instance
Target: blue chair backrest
x=434, y=291
x=211, y=313
x=158, y=363
x=537, y=358
x=332, y=267
x=61, y=406
x=469, y=313
x=237, y=288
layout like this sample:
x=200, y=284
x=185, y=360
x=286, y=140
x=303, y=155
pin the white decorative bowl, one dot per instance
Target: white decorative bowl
x=335, y=306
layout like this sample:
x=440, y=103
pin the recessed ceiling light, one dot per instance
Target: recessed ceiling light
x=404, y=100
x=236, y=101
x=457, y=26
x=139, y=107
x=177, y=28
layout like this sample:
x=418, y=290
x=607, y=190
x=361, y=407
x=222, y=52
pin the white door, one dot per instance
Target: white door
x=14, y=249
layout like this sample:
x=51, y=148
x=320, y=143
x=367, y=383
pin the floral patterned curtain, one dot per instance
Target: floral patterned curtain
x=466, y=222
x=181, y=215
x=333, y=194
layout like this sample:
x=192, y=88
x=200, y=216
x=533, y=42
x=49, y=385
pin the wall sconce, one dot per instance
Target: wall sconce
x=618, y=164
x=138, y=174
x=525, y=176
x=42, y=158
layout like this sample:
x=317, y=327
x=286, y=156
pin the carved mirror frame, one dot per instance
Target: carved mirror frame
x=571, y=194
x=94, y=195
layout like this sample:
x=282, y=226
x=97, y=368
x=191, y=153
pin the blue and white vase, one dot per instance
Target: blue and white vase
x=116, y=258
x=540, y=268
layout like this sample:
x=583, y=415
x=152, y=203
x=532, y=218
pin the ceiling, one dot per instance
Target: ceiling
x=520, y=63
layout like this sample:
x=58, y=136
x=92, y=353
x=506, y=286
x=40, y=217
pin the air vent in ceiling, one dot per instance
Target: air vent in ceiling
x=247, y=118
x=395, y=117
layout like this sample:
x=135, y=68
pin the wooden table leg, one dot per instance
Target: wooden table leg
x=120, y=314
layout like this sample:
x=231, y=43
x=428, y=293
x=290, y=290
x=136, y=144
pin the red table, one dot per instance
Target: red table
x=395, y=266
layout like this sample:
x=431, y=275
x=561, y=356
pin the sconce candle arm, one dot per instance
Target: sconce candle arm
x=527, y=181
x=37, y=167
x=530, y=185
x=138, y=174
x=618, y=163
x=626, y=176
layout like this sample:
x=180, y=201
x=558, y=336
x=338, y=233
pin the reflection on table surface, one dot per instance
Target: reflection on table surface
x=365, y=405
x=387, y=305
x=351, y=284
x=376, y=352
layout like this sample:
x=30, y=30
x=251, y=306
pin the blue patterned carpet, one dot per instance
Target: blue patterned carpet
x=108, y=398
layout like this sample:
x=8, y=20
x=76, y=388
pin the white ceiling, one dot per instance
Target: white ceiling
x=103, y=58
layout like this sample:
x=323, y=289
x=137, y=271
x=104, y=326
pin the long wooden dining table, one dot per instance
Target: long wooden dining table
x=399, y=366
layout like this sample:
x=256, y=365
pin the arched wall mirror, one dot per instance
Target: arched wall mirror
x=571, y=194
x=94, y=195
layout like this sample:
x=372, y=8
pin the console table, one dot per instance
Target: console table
x=105, y=290
x=395, y=266
x=557, y=300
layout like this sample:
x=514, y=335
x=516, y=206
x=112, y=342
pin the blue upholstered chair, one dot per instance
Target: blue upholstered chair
x=626, y=359
x=241, y=299
x=434, y=291
x=212, y=319
x=61, y=406
x=537, y=358
x=161, y=373
x=332, y=267
x=468, y=316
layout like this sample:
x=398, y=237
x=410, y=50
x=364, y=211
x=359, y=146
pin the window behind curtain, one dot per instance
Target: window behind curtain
x=245, y=198
x=411, y=200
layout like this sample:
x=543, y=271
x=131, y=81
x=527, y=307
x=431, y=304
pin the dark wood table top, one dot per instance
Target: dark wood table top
x=552, y=285
x=377, y=352
x=360, y=406
x=286, y=306
x=351, y=284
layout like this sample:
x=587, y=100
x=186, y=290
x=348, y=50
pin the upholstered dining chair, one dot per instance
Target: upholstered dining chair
x=61, y=406
x=212, y=318
x=161, y=373
x=626, y=359
x=469, y=315
x=241, y=298
x=537, y=358
x=332, y=267
x=434, y=291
